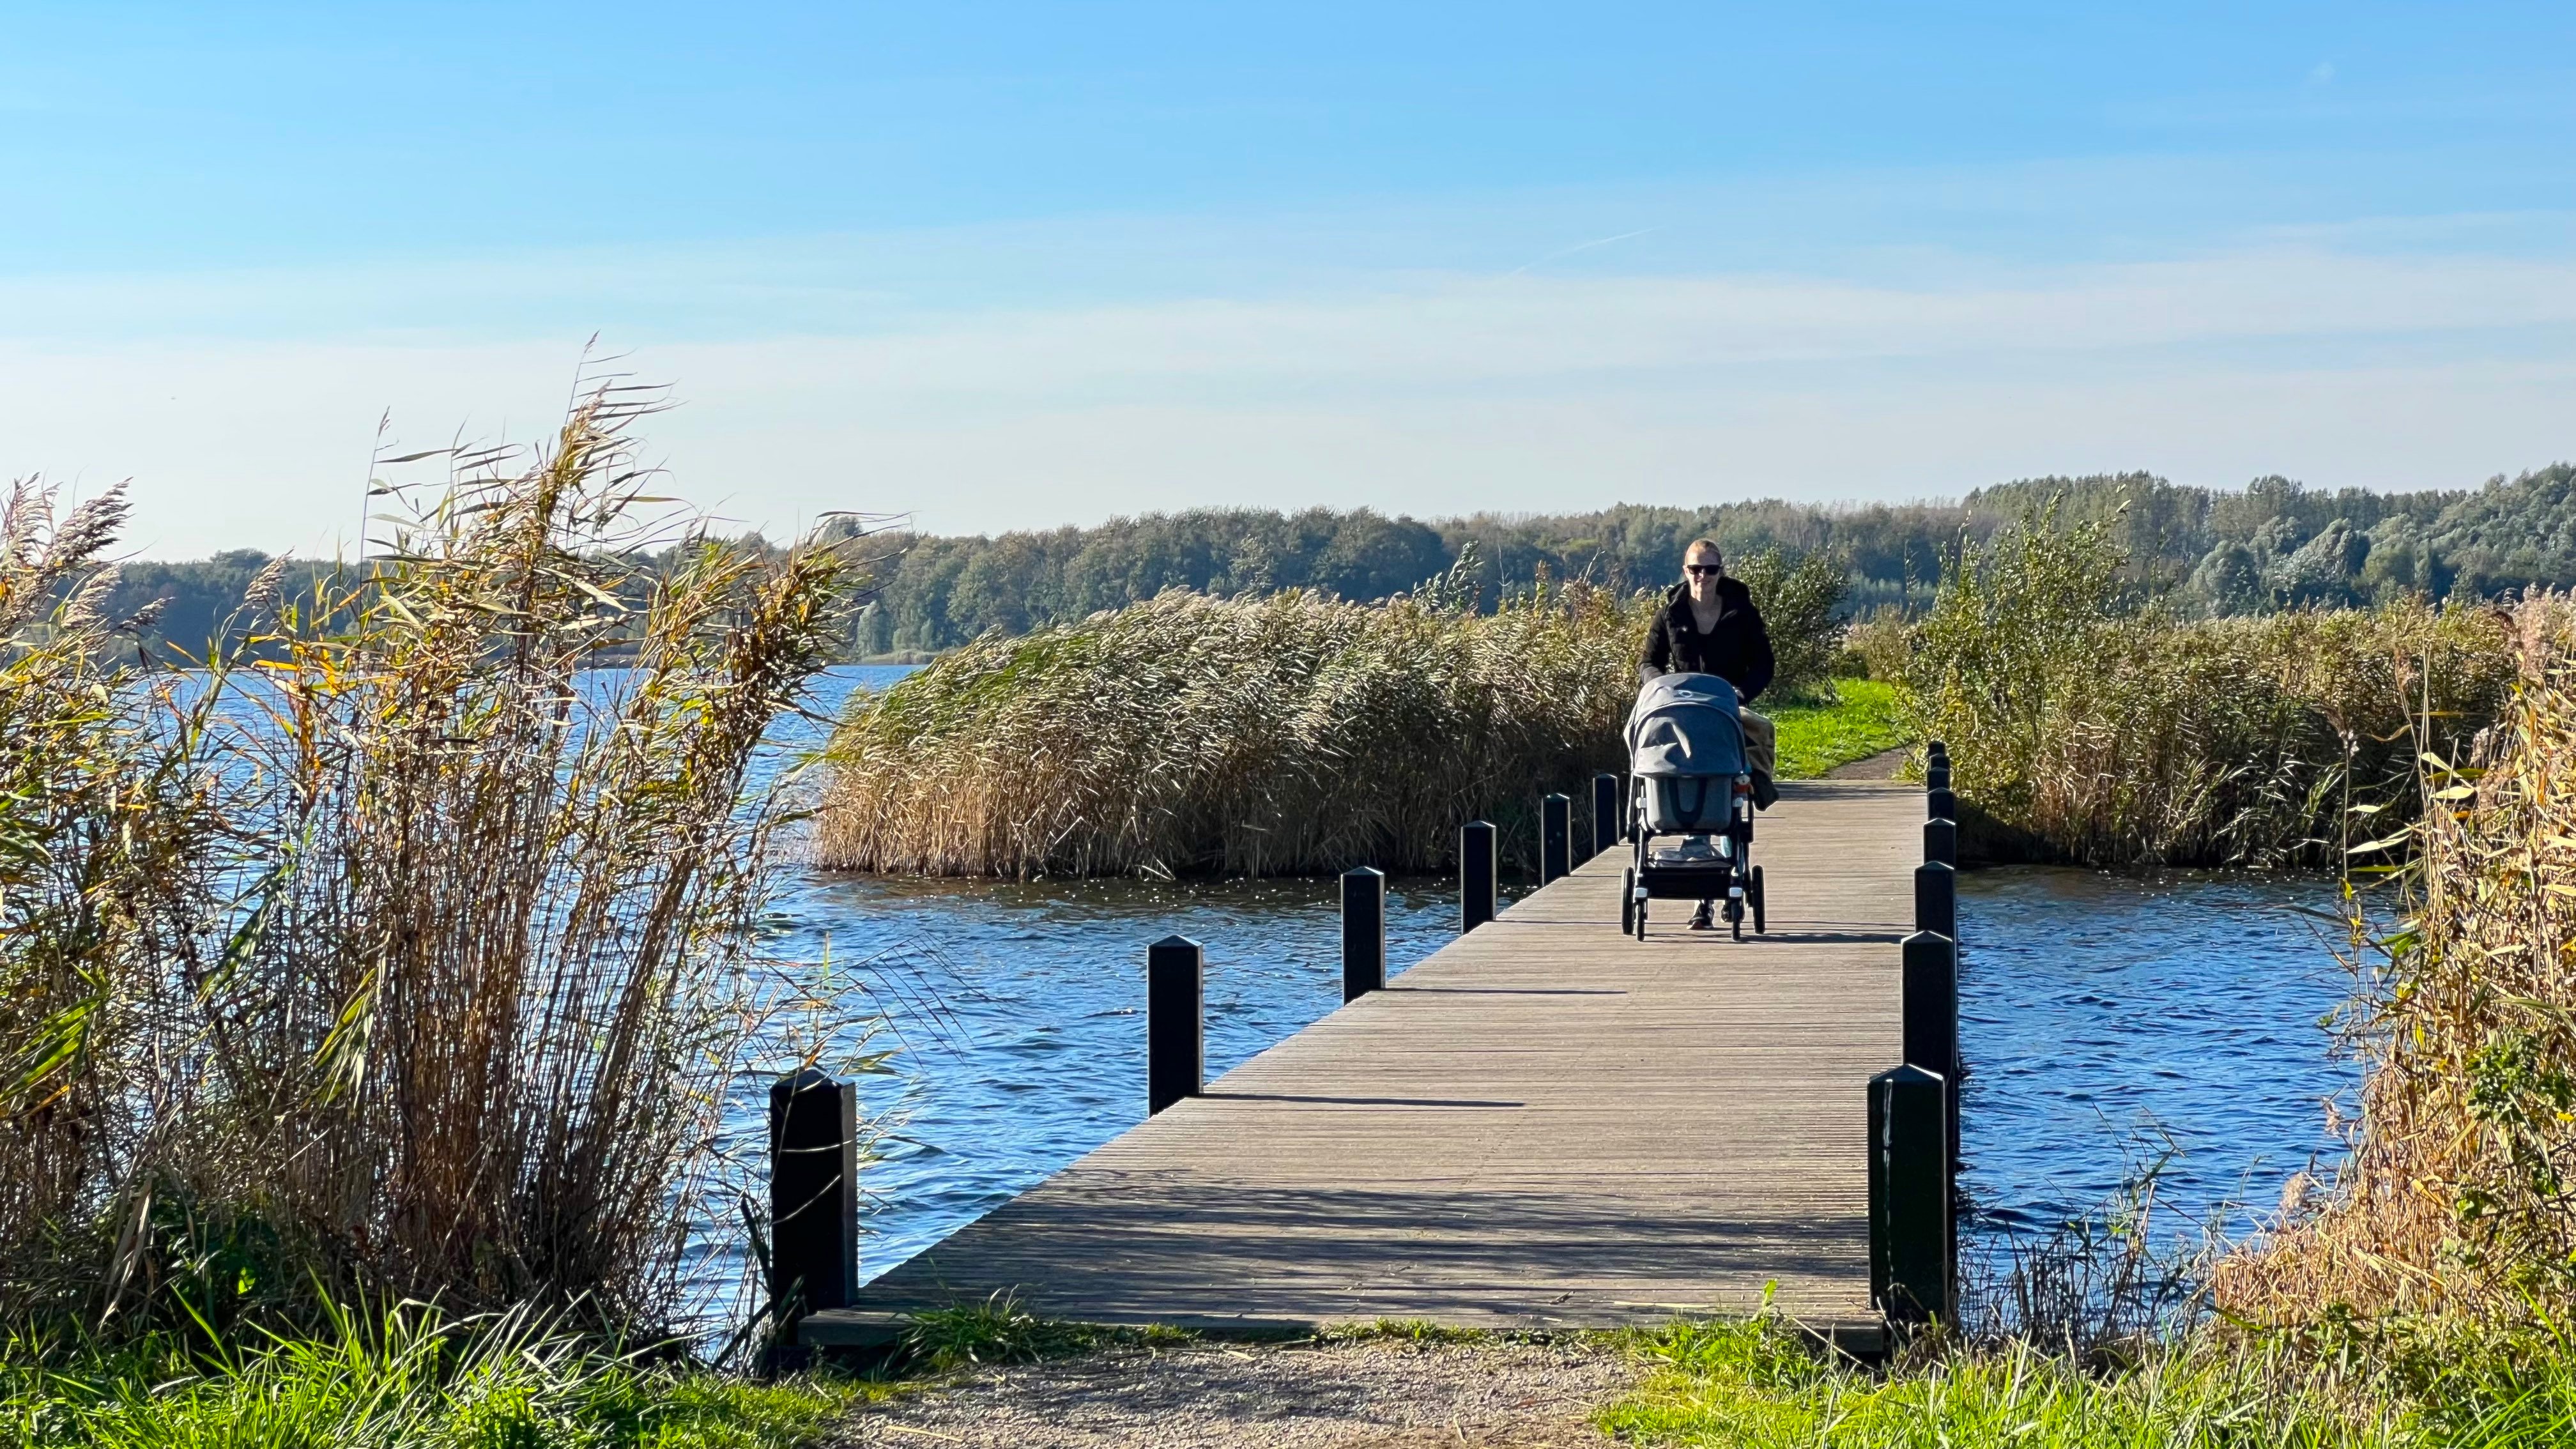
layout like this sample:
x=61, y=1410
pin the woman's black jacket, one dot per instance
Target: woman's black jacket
x=1736, y=649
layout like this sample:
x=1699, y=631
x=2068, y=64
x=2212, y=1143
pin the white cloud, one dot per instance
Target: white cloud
x=1421, y=393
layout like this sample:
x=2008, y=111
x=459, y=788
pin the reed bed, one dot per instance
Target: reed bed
x=405, y=952
x=2457, y=1208
x=1281, y=735
x=2084, y=726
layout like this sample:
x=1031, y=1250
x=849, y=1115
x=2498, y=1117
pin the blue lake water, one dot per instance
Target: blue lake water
x=2101, y=1015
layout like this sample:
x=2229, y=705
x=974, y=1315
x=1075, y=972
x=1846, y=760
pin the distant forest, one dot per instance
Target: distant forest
x=2274, y=544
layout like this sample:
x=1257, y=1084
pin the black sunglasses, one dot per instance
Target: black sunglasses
x=1703, y=568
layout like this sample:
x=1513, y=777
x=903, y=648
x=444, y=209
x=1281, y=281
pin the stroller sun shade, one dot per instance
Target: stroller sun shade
x=1685, y=725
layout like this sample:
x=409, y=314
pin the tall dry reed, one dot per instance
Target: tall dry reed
x=442, y=997
x=1249, y=736
x=97, y=838
x=2084, y=726
x=2458, y=1203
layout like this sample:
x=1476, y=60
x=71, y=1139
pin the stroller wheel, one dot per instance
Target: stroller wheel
x=1735, y=918
x=1753, y=898
x=1628, y=902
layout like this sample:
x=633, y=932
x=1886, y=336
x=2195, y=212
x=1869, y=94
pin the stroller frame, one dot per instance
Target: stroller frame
x=1729, y=876
x=1678, y=800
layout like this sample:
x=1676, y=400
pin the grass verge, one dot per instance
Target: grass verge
x=409, y=1378
x=1754, y=1385
x=1866, y=717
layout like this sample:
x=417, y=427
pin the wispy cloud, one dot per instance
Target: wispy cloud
x=1419, y=392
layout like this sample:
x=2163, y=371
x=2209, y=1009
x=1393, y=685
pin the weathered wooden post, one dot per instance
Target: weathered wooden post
x=1605, y=812
x=1475, y=875
x=1363, y=932
x=1175, y=1016
x=813, y=1197
x=1941, y=840
x=1555, y=837
x=1912, y=1262
x=1936, y=898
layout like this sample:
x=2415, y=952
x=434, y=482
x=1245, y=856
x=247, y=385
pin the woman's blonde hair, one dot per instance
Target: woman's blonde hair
x=1709, y=544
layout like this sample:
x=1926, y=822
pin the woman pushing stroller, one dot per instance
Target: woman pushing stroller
x=1709, y=625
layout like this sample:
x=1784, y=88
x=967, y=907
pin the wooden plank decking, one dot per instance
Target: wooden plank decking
x=1544, y=1125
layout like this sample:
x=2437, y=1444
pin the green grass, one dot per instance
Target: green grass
x=411, y=1378
x=1753, y=1385
x=1410, y=1332
x=1866, y=718
x=999, y=1330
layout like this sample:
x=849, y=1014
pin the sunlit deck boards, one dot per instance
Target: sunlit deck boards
x=1544, y=1125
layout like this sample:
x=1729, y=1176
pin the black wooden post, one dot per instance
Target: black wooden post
x=813, y=1196
x=1475, y=875
x=1175, y=1012
x=1936, y=773
x=1555, y=837
x=1363, y=932
x=1936, y=898
x=1605, y=812
x=1937, y=750
x=1931, y=1002
x=1912, y=1262
x=1941, y=841
x=1940, y=805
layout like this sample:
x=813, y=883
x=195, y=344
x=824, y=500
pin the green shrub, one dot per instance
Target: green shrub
x=1798, y=601
x=1882, y=642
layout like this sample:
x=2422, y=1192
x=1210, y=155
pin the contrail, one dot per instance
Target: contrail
x=1579, y=247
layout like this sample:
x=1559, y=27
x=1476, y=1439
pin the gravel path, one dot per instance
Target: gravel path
x=1260, y=1396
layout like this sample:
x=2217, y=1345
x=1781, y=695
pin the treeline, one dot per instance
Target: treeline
x=2273, y=544
x=2270, y=545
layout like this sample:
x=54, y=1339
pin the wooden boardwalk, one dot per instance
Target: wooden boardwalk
x=1545, y=1124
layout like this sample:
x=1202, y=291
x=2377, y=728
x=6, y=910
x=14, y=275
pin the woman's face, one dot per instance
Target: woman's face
x=1702, y=571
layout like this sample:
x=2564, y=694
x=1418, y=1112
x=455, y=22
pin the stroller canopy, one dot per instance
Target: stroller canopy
x=1685, y=724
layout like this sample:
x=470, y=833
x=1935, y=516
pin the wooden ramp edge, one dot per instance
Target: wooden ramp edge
x=1545, y=1125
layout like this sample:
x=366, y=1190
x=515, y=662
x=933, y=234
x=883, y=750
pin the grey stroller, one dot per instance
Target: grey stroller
x=1688, y=777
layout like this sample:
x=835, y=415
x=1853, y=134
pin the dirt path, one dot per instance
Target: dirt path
x=1881, y=766
x=1259, y=1396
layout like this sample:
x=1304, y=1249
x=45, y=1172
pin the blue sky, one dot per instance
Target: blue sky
x=1006, y=265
